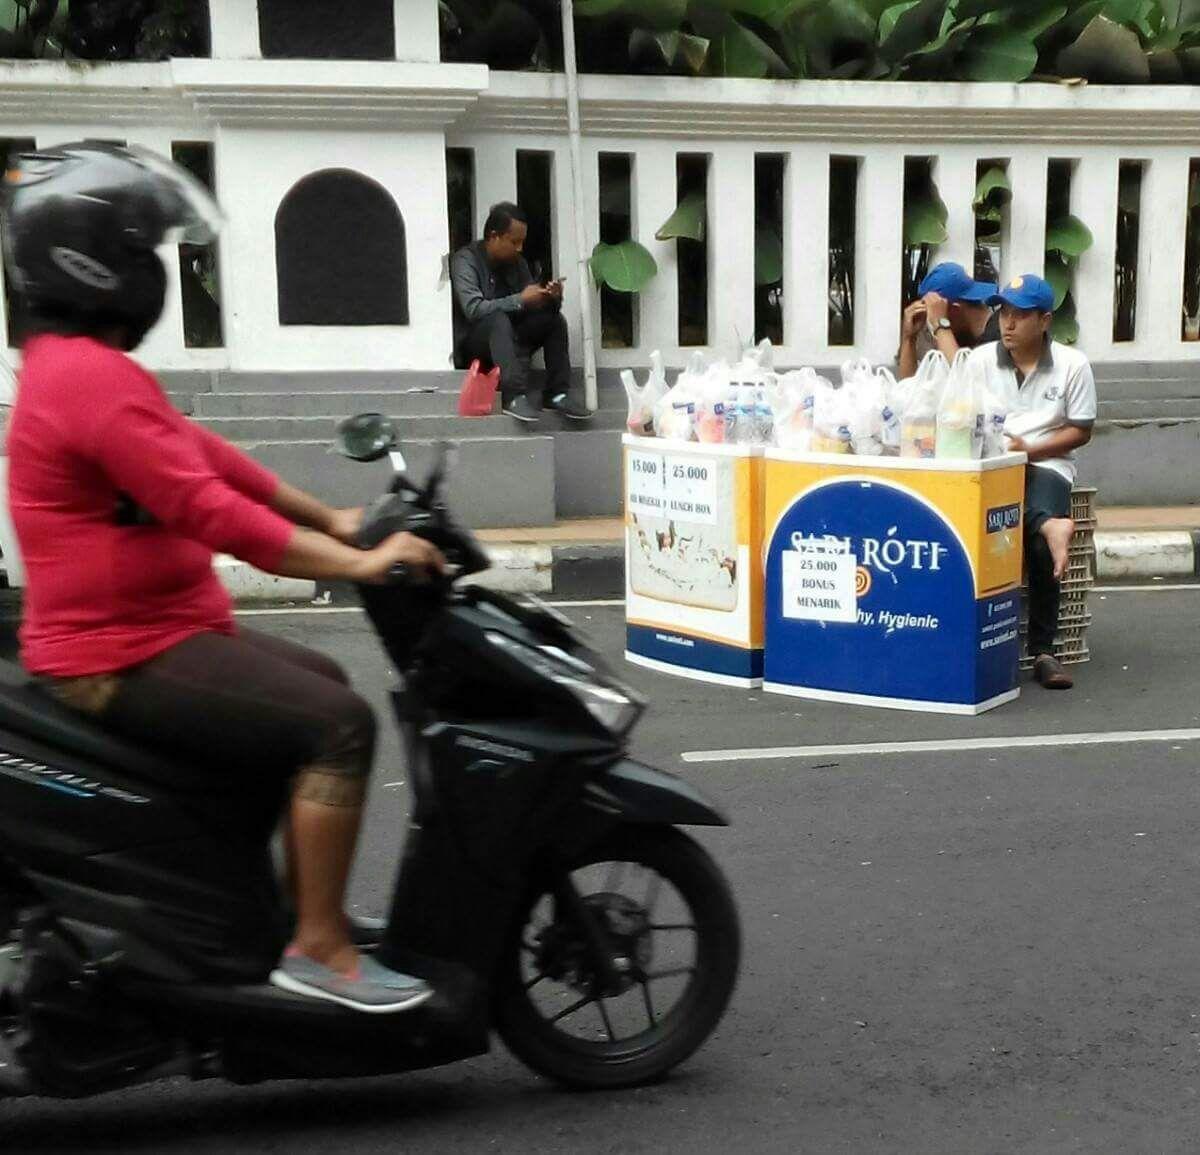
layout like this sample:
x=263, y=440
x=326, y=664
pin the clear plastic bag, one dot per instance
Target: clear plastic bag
x=710, y=405
x=959, y=418
x=918, y=426
x=795, y=396
x=833, y=415
x=863, y=391
x=891, y=412
x=675, y=411
x=643, y=399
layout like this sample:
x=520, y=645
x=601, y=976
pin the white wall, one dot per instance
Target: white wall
x=257, y=169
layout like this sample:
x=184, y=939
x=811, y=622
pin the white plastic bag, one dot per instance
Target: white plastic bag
x=642, y=400
x=675, y=411
x=795, y=397
x=918, y=426
x=865, y=395
x=833, y=414
x=890, y=413
x=710, y=405
x=959, y=424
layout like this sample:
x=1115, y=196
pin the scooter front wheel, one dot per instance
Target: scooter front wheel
x=626, y=1014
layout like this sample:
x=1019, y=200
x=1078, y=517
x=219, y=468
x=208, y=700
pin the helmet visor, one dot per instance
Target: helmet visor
x=190, y=214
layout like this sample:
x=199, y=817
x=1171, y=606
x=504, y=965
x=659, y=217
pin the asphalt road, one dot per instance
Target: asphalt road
x=986, y=950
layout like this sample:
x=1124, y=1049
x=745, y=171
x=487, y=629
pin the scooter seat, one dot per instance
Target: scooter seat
x=31, y=712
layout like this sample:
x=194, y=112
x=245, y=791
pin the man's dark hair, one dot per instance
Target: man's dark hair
x=500, y=218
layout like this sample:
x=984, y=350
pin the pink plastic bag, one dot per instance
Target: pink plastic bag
x=478, y=394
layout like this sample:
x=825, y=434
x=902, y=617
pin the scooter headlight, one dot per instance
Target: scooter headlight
x=614, y=710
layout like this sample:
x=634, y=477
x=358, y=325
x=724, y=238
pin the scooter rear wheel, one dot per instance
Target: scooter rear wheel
x=669, y=917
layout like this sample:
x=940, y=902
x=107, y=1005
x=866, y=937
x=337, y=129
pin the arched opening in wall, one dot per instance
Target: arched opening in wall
x=317, y=30
x=340, y=253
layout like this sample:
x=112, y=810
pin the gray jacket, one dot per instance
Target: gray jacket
x=481, y=290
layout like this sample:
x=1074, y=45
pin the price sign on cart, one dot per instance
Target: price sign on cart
x=691, y=488
x=680, y=488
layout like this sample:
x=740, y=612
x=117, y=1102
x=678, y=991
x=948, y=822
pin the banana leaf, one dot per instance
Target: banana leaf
x=625, y=268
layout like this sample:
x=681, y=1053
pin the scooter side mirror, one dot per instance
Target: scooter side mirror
x=365, y=437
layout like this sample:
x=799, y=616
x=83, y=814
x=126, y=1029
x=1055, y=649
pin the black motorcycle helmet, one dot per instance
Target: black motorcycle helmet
x=81, y=225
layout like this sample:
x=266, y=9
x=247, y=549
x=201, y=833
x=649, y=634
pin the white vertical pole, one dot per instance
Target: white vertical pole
x=582, y=248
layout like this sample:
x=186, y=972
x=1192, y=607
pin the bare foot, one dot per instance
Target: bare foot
x=1058, y=532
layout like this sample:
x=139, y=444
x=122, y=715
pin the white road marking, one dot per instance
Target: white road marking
x=275, y=611
x=600, y=603
x=1155, y=589
x=943, y=746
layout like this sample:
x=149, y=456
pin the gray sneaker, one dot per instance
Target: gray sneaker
x=375, y=989
x=563, y=405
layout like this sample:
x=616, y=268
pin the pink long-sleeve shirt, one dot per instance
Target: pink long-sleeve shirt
x=91, y=431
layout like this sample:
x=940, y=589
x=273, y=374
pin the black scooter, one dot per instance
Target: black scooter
x=544, y=890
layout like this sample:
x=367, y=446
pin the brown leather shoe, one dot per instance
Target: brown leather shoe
x=1048, y=670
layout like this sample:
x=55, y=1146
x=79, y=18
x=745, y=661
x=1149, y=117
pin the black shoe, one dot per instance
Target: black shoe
x=568, y=408
x=1048, y=670
x=522, y=409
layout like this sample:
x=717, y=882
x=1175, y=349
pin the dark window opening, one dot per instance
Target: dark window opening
x=312, y=30
x=618, y=311
x=922, y=205
x=1129, y=211
x=535, y=176
x=1059, y=265
x=199, y=281
x=691, y=179
x=768, y=248
x=340, y=253
x=992, y=197
x=843, y=225
x=1191, y=257
x=460, y=196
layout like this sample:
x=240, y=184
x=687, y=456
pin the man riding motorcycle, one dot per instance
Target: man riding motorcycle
x=119, y=504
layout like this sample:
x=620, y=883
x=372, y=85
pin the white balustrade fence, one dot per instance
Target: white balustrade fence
x=273, y=122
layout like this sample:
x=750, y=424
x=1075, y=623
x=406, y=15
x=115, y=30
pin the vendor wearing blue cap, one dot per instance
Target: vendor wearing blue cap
x=1051, y=397
x=951, y=313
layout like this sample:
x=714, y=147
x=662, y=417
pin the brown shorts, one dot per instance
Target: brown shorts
x=242, y=704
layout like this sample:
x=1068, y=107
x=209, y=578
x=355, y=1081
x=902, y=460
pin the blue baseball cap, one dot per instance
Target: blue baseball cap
x=952, y=281
x=1026, y=292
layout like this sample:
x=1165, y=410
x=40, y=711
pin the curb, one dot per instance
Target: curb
x=588, y=570
x=1144, y=555
x=597, y=570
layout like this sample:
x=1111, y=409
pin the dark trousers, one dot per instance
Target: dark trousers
x=510, y=339
x=249, y=706
x=1047, y=495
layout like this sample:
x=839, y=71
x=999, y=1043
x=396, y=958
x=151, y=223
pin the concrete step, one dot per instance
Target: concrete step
x=331, y=405
x=408, y=403
x=1131, y=408
x=587, y=473
x=495, y=480
x=408, y=427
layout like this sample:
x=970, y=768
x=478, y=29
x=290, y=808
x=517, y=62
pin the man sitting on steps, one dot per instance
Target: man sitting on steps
x=502, y=316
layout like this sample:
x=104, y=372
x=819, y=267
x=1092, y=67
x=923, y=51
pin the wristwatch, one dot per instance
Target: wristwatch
x=941, y=326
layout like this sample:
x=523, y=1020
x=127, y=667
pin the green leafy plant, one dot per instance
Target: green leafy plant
x=1103, y=41
x=1067, y=239
x=626, y=267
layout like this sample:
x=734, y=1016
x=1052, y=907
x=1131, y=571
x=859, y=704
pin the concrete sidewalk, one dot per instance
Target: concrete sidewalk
x=585, y=558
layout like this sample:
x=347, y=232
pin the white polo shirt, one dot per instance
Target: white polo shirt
x=1061, y=391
